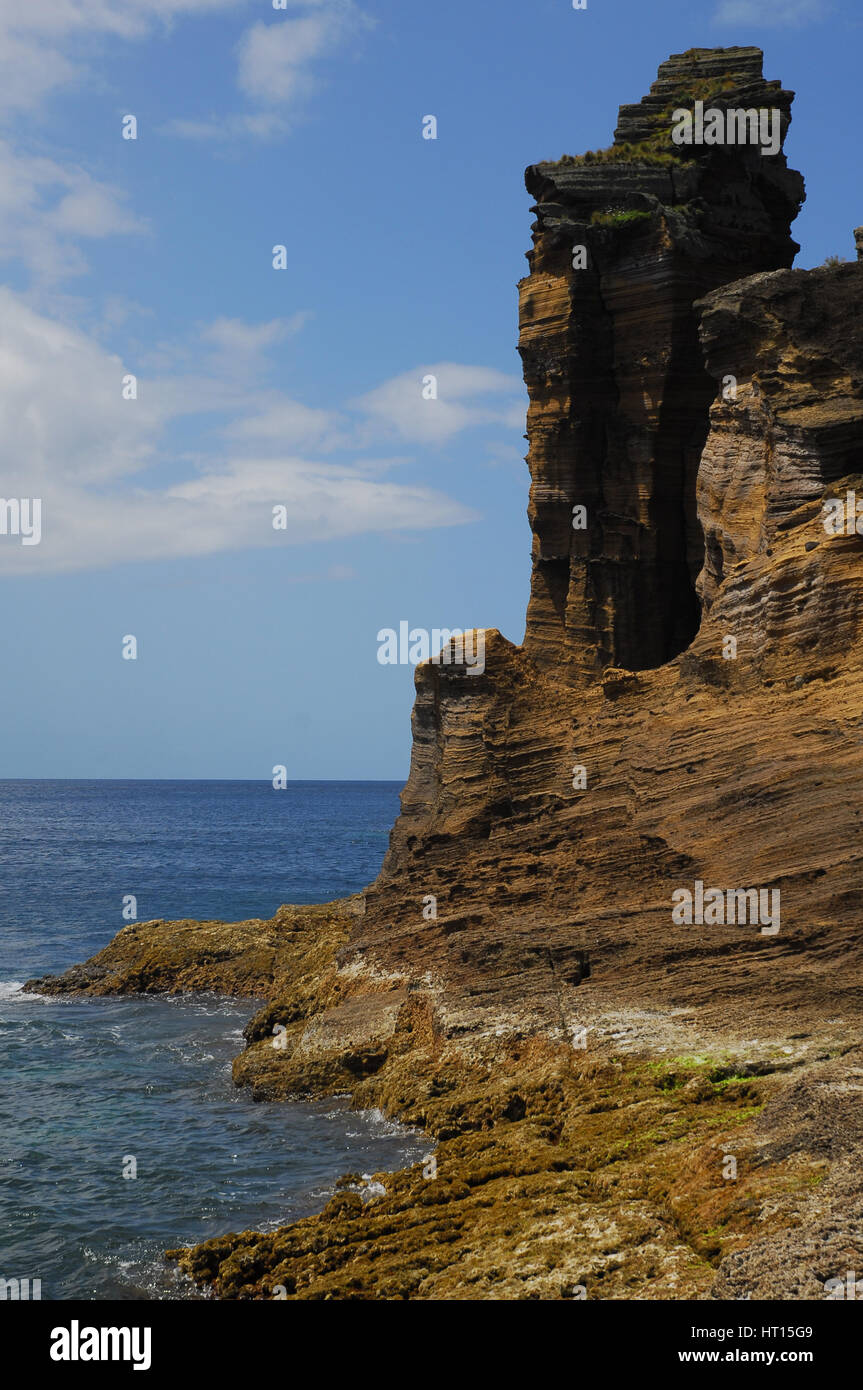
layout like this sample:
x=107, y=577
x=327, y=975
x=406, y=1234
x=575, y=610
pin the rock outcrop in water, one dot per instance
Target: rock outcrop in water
x=686, y=709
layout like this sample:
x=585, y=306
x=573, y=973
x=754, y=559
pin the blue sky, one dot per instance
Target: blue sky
x=302, y=127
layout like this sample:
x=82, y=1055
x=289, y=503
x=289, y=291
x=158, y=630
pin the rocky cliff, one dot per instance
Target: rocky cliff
x=625, y=241
x=685, y=710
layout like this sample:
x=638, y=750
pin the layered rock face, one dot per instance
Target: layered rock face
x=716, y=526
x=755, y=419
x=792, y=343
x=625, y=241
x=686, y=709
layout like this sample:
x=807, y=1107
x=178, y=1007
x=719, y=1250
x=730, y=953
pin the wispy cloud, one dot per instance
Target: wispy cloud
x=464, y=396
x=45, y=207
x=286, y=422
x=773, y=14
x=274, y=59
x=235, y=339
x=114, y=488
x=257, y=125
x=44, y=43
x=278, y=68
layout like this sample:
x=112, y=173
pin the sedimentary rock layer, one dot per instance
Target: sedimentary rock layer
x=625, y=241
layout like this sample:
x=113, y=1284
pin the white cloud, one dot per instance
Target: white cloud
x=324, y=501
x=260, y=125
x=395, y=411
x=113, y=486
x=61, y=409
x=772, y=13
x=114, y=491
x=466, y=396
x=118, y=309
x=277, y=67
x=93, y=210
x=128, y=20
x=43, y=204
x=43, y=43
x=49, y=44
x=30, y=70
x=219, y=367
x=86, y=529
x=291, y=424
x=247, y=339
x=273, y=58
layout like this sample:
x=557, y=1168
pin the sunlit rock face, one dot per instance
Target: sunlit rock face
x=699, y=399
x=794, y=426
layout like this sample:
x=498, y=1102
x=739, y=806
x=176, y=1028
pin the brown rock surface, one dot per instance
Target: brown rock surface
x=586, y=1065
x=618, y=391
x=234, y=958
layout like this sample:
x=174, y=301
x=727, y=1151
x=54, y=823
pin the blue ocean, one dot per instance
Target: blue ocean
x=85, y=1084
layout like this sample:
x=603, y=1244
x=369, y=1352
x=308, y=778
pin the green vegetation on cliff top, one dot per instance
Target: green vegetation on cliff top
x=658, y=148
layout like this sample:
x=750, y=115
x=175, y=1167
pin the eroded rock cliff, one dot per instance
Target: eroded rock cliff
x=625, y=241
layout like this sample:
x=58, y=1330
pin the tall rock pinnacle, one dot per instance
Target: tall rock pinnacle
x=619, y=396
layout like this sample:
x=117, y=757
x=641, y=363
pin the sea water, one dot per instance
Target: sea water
x=88, y=1084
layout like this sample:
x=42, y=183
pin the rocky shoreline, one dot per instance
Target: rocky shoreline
x=622, y=1107
x=559, y=1171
